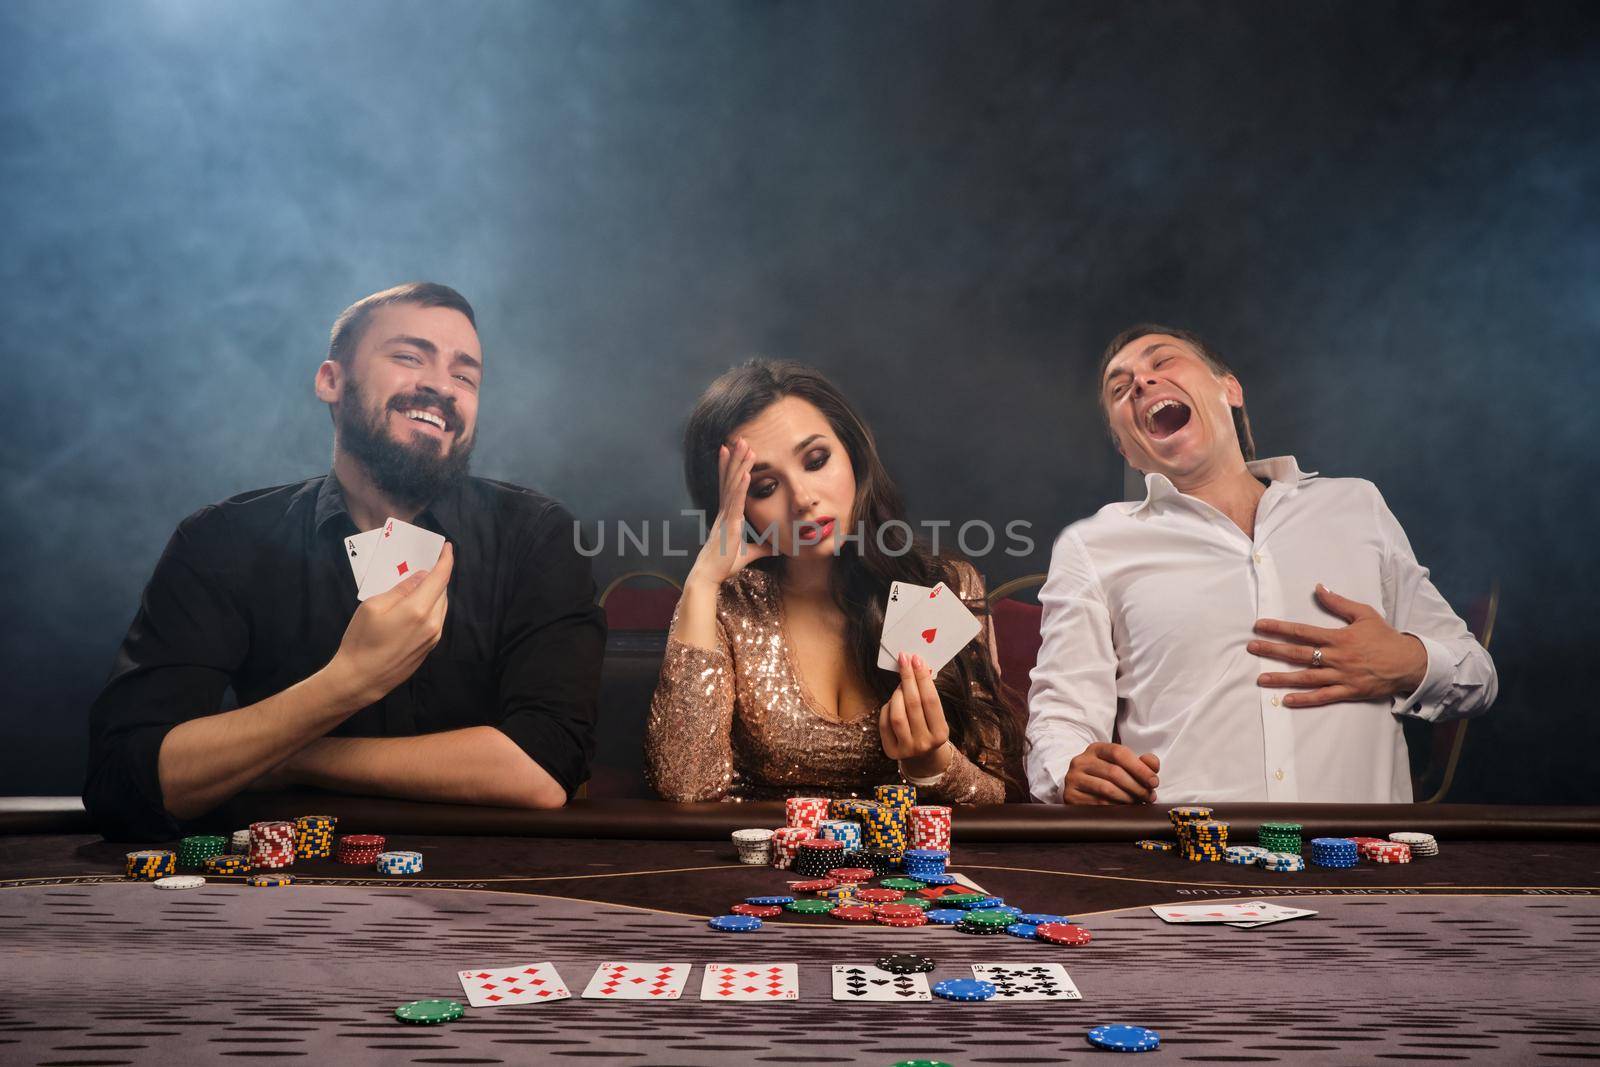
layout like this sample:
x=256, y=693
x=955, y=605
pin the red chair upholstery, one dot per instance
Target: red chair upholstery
x=629, y=607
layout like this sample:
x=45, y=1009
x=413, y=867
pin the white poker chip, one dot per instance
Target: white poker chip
x=180, y=881
x=1405, y=838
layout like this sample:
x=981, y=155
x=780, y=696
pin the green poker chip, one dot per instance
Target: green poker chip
x=921, y=1063
x=430, y=1012
x=902, y=883
x=961, y=898
x=808, y=906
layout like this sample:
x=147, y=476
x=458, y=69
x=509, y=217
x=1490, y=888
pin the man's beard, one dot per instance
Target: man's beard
x=413, y=473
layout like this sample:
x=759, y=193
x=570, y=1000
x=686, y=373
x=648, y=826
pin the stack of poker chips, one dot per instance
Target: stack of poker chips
x=240, y=842
x=1385, y=851
x=1204, y=841
x=839, y=808
x=903, y=797
x=846, y=833
x=1280, y=837
x=1243, y=854
x=785, y=845
x=853, y=876
x=1334, y=852
x=1421, y=844
x=313, y=836
x=1184, y=817
x=805, y=811
x=816, y=857
x=925, y=863
x=194, y=851
x=755, y=846
x=360, y=849
x=400, y=863
x=930, y=827
x=271, y=845
x=149, y=864
x=1282, y=862
x=228, y=863
x=884, y=827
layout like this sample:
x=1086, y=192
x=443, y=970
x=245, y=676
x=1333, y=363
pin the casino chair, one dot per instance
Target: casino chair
x=637, y=620
x=1017, y=639
x=1436, y=747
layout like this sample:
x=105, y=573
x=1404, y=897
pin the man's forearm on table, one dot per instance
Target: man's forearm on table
x=475, y=765
x=204, y=761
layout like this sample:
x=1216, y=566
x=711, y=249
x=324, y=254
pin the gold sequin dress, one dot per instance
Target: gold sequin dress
x=736, y=722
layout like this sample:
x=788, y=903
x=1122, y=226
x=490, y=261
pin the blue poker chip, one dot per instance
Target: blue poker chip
x=937, y=879
x=1027, y=931
x=1010, y=909
x=735, y=924
x=981, y=905
x=938, y=854
x=769, y=900
x=964, y=989
x=1038, y=918
x=1121, y=1038
x=945, y=916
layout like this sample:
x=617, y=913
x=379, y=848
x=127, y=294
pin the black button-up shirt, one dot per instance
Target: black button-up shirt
x=255, y=593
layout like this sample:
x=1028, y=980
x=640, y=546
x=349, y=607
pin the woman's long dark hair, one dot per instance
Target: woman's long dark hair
x=862, y=571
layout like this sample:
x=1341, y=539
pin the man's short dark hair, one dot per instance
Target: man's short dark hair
x=1241, y=420
x=351, y=324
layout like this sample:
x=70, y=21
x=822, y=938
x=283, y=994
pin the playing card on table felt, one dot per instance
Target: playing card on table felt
x=527, y=983
x=637, y=981
x=750, y=981
x=851, y=982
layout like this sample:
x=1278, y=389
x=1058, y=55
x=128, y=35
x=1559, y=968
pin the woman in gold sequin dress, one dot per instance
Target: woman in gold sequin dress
x=770, y=686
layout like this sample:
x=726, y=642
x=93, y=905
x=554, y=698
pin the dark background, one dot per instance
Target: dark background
x=1384, y=215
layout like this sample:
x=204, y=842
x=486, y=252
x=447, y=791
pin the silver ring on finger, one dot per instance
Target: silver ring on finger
x=1316, y=657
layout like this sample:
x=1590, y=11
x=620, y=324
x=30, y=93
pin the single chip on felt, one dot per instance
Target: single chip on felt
x=856, y=913
x=906, y=963
x=1063, y=934
x=760, y=911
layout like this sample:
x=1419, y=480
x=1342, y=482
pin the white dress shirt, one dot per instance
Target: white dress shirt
x=1147, y=610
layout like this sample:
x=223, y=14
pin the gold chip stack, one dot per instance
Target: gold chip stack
x=147, y=865
x=313, y=836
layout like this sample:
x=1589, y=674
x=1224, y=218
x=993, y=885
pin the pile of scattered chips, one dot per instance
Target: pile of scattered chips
x=1279, y=837
x=399, y=863
x=313, y=836
x=1334, y=852
x=147, y=865
x=271, y=844
x=1244, y=854
x=362, y=850
x=1419, y=843
x=194, y=851
x=1152, y=845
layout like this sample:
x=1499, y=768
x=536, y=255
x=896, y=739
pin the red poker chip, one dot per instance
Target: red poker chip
x=856, y=913
x=760, y=911
x=880, y=896
x=1063, y=934
x=852, y=874
x=813, y=885
x=897, y=911
x=919, y=919
x=826, y=844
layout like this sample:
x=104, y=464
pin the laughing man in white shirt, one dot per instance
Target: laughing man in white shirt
x=1248, y=631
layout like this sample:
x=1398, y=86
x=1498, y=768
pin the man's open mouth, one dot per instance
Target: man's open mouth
x=427, y=417
x=1165, y=418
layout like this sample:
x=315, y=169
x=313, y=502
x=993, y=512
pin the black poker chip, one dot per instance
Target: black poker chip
x=906, y=963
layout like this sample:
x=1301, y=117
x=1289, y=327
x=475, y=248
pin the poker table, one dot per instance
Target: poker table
x=1488, y=952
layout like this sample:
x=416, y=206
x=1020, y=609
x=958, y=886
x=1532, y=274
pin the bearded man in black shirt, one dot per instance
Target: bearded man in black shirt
x=474, y=683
